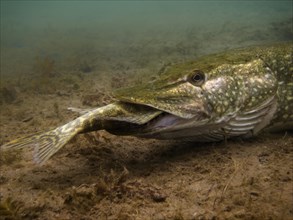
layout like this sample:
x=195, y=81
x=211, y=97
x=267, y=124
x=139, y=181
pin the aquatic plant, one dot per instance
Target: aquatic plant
x=45, y=70
x=10, y=209
x=45, y=66
x=94, y=100
x=56, y=110
x=113, y=186
x=9, y=158
x=85, y=67
x=8, y=95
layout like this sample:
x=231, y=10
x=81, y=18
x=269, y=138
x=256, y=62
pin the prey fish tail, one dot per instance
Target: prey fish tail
x=237, y=93
x=48, y=143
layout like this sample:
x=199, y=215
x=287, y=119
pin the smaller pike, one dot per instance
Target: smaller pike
x=232, y=94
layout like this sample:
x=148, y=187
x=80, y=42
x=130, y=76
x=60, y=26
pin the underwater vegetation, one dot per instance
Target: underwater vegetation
x=84, y=67
x=8, y=95
x=44, y=69
x=112, y=187
x=94, y=100
x=101, y=176
x=48, y=77
x=10, y=209
x=45, y=66
x=10, y=158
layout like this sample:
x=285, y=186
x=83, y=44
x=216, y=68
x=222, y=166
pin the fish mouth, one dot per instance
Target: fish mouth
x=169, y=126
x=163, y=121
x=155, y=125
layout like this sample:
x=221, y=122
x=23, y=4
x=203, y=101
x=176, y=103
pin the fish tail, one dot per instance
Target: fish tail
x=45, y=144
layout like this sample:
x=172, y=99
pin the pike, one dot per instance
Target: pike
x=231, y=94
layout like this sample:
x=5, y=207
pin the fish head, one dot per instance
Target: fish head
x=197, y=99
x=182, y=97
x=188, y=98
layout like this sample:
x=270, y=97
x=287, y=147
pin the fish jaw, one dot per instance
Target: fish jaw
x=220, y=106
x=182, y=106
x=244, y=92
x=179, y=98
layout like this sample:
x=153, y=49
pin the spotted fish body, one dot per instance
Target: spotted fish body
x=232, y=94
x=244, y=91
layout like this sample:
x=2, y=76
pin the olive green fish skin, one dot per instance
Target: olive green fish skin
x=232, y=94
x=253, y=82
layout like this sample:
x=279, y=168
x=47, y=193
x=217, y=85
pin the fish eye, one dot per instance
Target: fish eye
x=197, y=77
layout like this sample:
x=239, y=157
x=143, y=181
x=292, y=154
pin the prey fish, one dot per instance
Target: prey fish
x=237, y=93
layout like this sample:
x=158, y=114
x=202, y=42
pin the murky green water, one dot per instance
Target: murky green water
x=138, y=33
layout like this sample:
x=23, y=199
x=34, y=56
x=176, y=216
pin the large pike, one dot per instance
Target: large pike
x=232, y=94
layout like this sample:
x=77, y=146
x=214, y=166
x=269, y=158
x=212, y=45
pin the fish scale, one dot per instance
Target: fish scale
x=237, y=93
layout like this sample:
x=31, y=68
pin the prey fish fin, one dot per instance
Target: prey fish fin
x=44, y=144
x=80, y=111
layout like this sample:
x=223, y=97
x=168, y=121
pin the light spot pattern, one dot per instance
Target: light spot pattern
x=238, y=94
